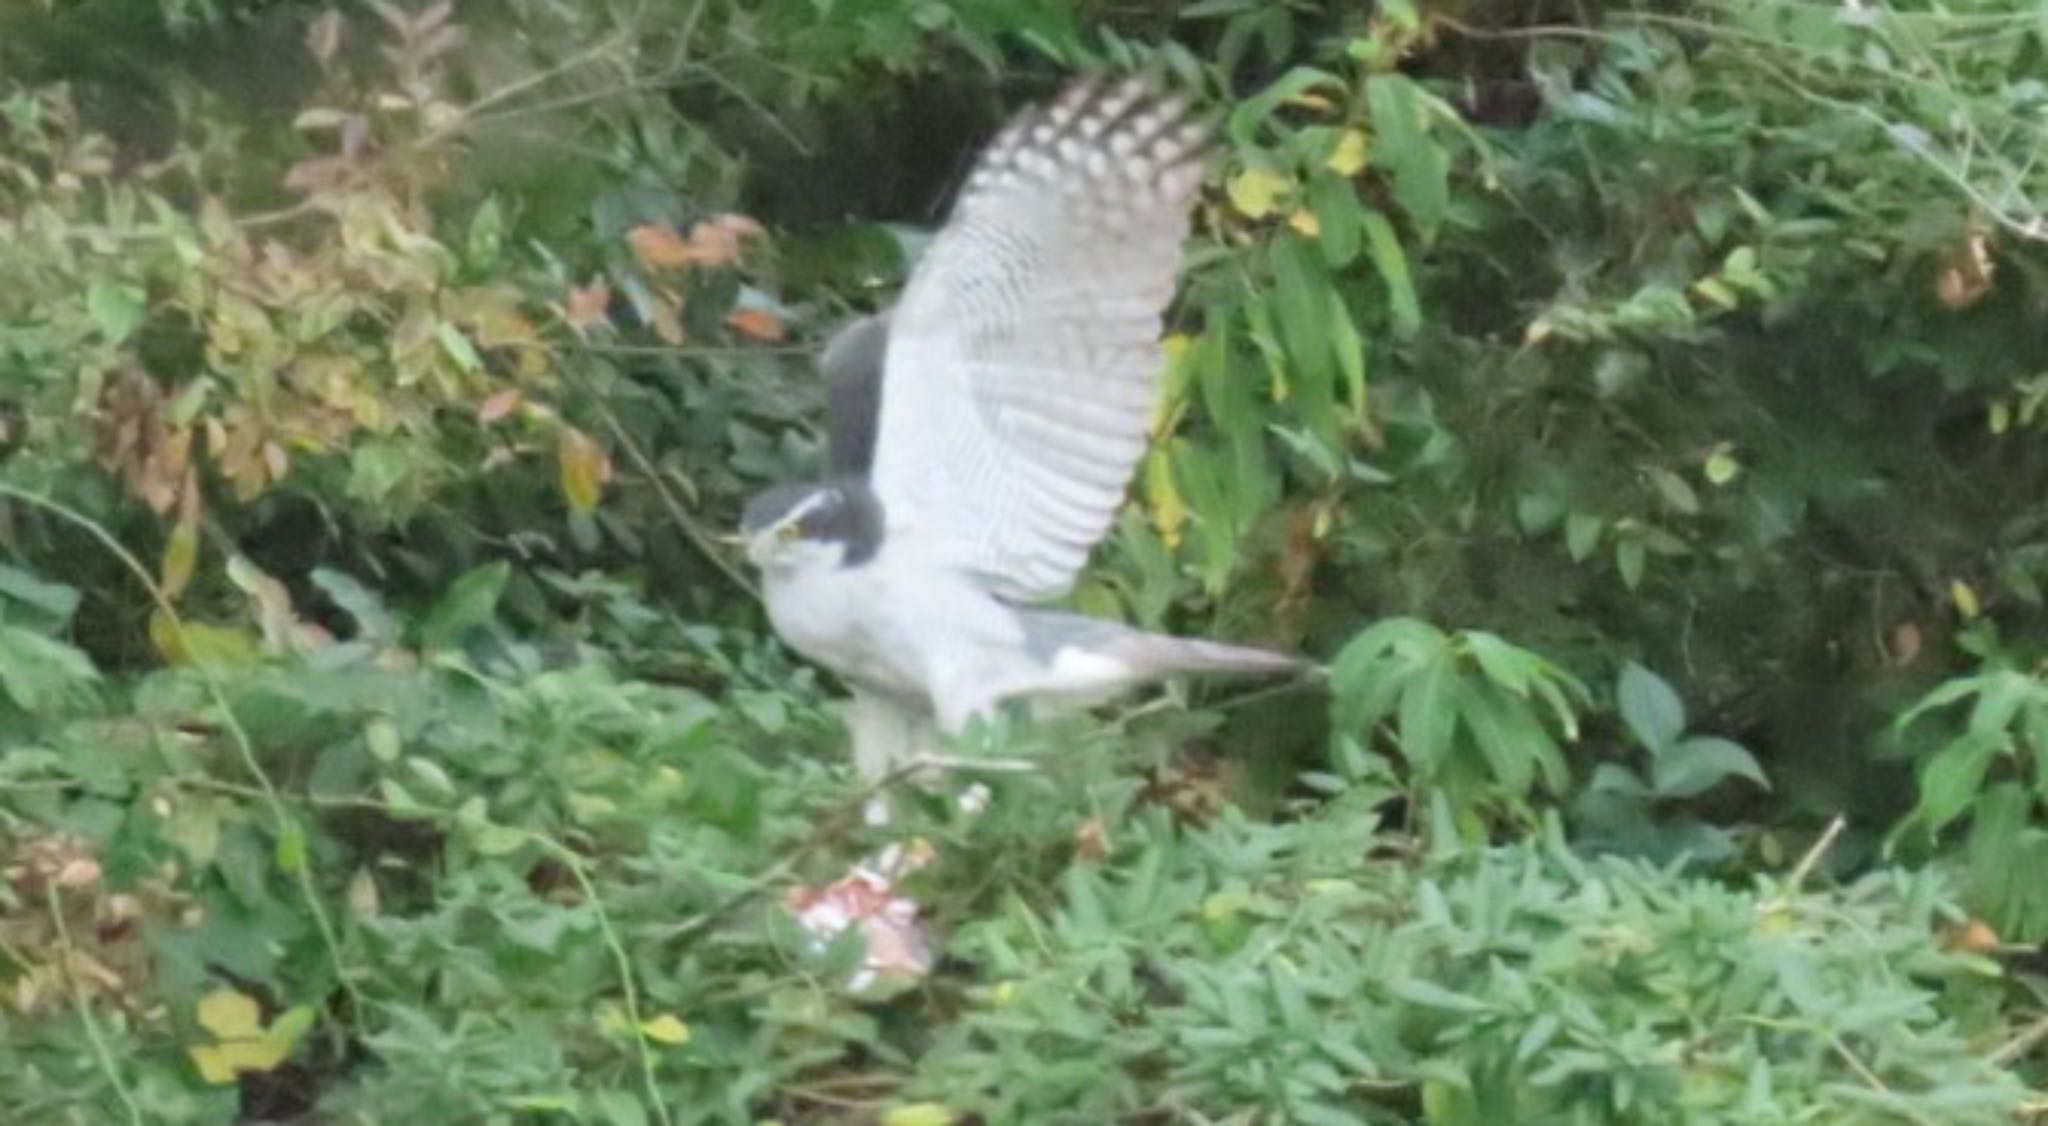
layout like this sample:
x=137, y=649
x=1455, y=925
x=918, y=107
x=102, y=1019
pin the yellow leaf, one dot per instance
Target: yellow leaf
x=1255, y=191
x=199, y=643
x=918, y=1114
x=1350, y=155
x=214, y=1063
x=230, y=1014
x=1722, y=467
x=1305, y=223
x=584, y=470
x=1965, y=598
x=181, y=555
x=220, y=1063
x=666, y=1029
x=1169, y=511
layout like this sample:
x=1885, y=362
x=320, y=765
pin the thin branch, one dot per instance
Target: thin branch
x=84, y=1007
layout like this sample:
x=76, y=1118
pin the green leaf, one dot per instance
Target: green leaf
x=1419, y=166
x=1383, y=246
x=1428, y=712
x=1698, y=764
x=373, y=622
x=471, y=602
x=54, y=601
x=458, y=347
x=1504, y=733
x=1629, y=558
x=40, y=672
x=1674, y=490
x=117, y=308
x=1509, y=666
x=1650, y=708
x=1582, y=535
x=1953, y=777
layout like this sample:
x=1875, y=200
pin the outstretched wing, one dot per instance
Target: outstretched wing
x=1023, y=358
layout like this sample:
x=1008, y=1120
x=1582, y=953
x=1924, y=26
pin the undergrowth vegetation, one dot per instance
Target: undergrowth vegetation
x=1639, y=413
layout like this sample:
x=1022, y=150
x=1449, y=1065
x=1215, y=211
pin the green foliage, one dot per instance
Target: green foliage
x=1262, y=967
x=1994, y=771
x=1472, y=716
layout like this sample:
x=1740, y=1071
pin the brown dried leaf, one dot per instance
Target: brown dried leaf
x=499, y=406
x=1967, y=274
x=1091, y=840
x=667, y=322
x=756, y=324
x=1974, y=936
x=659, y=248
x=585, y=307
x=1906, y=643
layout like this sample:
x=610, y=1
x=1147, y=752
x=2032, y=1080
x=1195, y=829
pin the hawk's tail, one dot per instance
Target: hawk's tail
x=1161, y=655
x=1149, y=656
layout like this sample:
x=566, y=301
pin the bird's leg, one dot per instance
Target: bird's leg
x=959, y=715
x=885, y=737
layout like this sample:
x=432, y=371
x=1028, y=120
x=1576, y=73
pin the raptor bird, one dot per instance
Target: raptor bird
x=982, y=433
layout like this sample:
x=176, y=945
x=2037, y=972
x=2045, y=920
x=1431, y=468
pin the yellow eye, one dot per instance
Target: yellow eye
x=792, y=530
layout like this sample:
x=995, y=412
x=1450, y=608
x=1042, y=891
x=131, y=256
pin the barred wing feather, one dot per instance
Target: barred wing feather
x=1023, y=358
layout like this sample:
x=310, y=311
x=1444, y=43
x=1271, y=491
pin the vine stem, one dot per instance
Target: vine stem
x=84, y=1007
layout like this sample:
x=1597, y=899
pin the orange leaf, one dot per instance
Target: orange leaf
x=659, y=248
x=756, y=324
x=585, y=307
x=716, y=241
